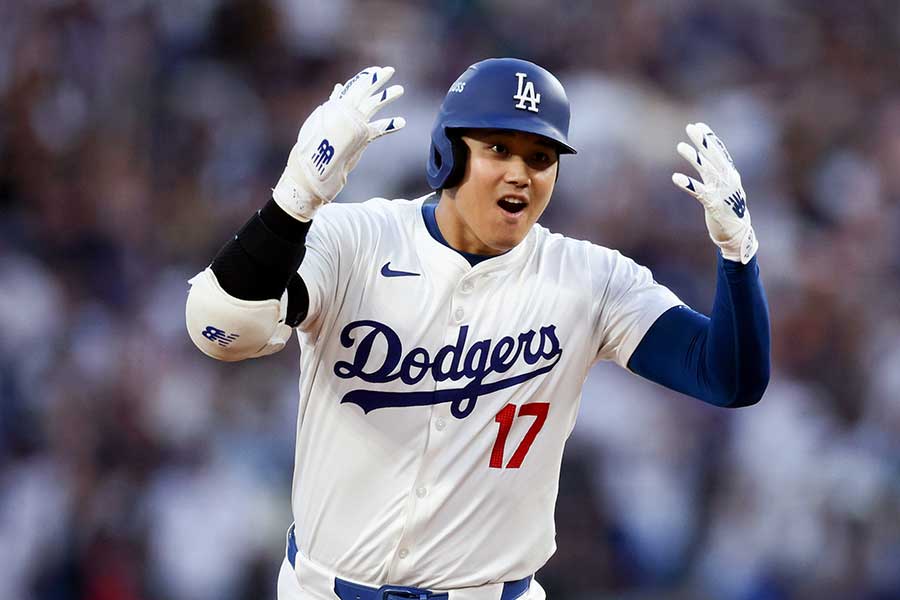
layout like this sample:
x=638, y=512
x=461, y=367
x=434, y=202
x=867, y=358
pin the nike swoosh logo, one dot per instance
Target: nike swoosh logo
x=387, y=271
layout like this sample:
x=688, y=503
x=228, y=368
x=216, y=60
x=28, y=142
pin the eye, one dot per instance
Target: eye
x=499, y=149
x=542, y=160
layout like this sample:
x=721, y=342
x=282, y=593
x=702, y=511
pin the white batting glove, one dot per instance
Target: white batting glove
x=721, y=193
x=332, y=140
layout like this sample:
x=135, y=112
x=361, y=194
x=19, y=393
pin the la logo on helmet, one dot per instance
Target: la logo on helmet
x=526, y=93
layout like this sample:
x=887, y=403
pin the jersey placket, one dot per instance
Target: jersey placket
x=442, y=423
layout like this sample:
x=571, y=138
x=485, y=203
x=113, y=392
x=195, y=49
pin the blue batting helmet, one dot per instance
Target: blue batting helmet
x=497, y=93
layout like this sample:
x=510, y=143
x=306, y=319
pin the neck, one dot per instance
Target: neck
x=453, y=227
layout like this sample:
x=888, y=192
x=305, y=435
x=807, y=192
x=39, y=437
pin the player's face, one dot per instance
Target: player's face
x=507, y=185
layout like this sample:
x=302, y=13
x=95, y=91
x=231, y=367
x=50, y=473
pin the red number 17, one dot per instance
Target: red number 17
x=505, y=419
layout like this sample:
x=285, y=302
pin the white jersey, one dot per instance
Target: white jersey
x=436, y=397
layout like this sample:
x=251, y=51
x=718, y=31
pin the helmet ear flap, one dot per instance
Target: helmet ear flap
x=460, y=158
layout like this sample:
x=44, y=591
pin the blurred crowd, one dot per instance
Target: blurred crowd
x=137, y=135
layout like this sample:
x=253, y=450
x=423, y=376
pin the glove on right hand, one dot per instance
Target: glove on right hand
x=332, y=140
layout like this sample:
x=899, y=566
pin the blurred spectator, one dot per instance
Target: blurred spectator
x=137, y=135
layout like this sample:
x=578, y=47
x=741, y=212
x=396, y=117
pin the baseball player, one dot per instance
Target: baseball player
x=444, y=340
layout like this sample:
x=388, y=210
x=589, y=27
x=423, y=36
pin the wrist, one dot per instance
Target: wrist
x=734, y=266
x=741, y=248
x=295, y=198
x=282, y=224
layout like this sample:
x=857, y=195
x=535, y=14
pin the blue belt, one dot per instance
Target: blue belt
x=354, y=591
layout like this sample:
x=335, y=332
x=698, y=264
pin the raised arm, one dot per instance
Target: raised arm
x=723, y=359
x=246, y=302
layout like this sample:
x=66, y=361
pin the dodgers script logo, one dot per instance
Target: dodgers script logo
x=460, y=361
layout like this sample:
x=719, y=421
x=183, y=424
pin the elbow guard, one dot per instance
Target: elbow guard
x=230, y=329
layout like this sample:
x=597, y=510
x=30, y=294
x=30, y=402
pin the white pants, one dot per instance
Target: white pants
x=289, y=588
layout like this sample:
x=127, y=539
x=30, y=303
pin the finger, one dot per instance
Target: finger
x=336, y=92
x=689, y=185
x=362, y=75
x=690, y=154
x=379, y=78
x=384, y=126
x=374, y=79
x=697, y=133
x=356, y=88
x=709, y=144
x=376, y=102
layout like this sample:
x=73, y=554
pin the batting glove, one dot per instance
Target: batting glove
x=332, y=140
x=720, y=193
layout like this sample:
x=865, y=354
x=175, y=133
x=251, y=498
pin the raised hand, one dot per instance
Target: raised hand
x=720, y=193
x=332, y=140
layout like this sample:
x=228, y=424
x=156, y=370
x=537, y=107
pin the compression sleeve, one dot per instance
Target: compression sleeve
x=261, y=261
x=723, y=359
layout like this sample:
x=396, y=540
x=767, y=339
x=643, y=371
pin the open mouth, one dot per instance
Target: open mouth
x=512, y=205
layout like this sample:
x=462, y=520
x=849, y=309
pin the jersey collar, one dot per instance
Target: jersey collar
x=428, y=242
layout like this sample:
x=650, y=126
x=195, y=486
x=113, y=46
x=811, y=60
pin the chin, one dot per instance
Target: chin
x=506, y=244
x=500, y=238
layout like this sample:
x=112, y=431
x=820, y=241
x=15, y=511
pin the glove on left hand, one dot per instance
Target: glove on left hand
x=721, y=193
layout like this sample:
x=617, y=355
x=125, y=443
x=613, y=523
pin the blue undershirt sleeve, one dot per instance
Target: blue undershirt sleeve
x=723, y=359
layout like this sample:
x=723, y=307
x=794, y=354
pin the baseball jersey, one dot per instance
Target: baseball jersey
x=436, y=397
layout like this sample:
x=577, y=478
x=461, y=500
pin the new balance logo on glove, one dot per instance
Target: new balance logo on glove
x=737, y=203
x=323, y=155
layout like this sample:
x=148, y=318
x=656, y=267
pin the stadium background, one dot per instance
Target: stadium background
x=136, y=136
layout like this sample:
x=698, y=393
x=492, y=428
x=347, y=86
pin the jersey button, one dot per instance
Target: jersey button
x=440, y=424
x=421, y=492
x=467, y=286
x=403, y=553
x=459, y=314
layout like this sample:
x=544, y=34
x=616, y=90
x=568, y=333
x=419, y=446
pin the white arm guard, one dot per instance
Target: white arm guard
x=231, y=329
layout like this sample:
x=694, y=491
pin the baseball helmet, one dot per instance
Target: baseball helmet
x=497, y=93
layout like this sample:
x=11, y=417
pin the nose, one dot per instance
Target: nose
x=517, y=172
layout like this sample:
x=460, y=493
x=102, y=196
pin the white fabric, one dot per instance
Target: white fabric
x=228, y=328
x=720, y=193
x=406, y=493
x=332, y=140
x=318, y=584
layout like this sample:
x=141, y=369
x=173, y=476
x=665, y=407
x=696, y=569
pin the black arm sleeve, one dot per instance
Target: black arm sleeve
x=261, y=261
